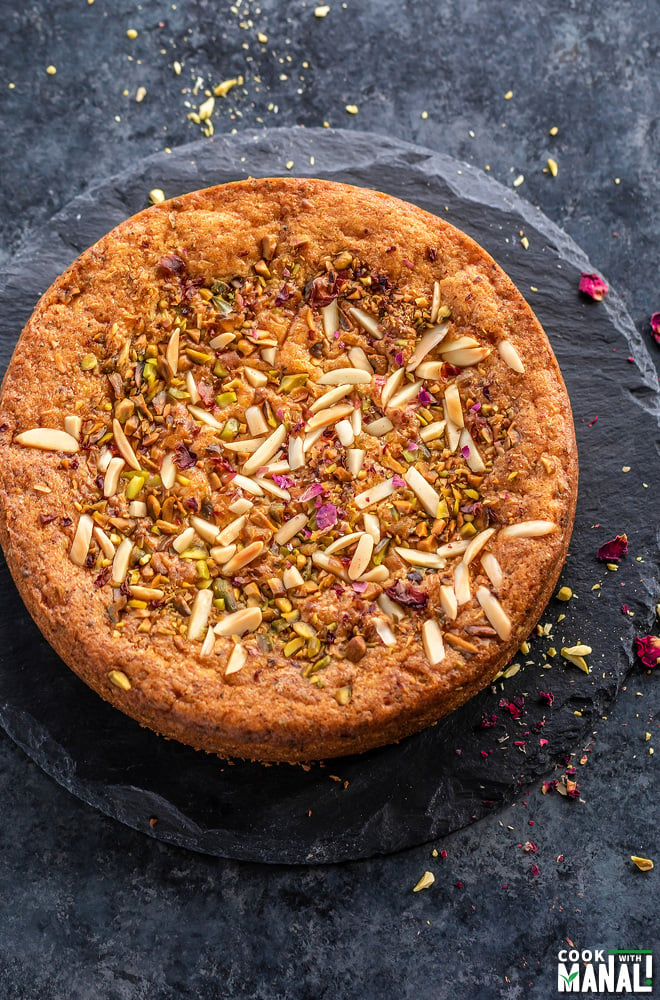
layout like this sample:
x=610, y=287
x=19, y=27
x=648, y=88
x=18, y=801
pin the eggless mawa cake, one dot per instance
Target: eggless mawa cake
x=288, y=468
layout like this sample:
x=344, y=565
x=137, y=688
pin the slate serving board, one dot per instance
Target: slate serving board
x=455, y=772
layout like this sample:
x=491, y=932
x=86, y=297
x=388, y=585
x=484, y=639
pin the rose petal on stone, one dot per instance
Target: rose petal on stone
x=593, y=286
x=648, y=650
x=614, y=550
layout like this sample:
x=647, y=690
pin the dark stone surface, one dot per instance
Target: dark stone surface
x=90, y=908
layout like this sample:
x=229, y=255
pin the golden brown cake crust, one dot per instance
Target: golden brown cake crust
x=263, y=259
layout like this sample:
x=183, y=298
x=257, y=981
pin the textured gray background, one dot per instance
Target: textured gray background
x=91, y=909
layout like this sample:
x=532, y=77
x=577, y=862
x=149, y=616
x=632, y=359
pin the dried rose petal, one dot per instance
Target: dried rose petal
x=312, y=491
x=322, y=290
x=614, y=550
x=184, y=458
x=407, y=594
x=424, y=396
x=398, y=481
x=465, y=451
x=206, y=393
x=326, y=516
x=284, y=482
x=648, y=650
x=547, y=696
x=593, y=286
x=360, y=588
x=655, y=326
x=514, y=707
x=488, y=721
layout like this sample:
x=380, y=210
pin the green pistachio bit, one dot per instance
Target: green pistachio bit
x=472, y=494
x=178, y=393
x=193, y=553
x=380, y=551
x=224, y=593
x=426, y=415
x=225, y=398
x=304, y=630
x=203, y=570
x=230, y=430
x=279, y=625
x=313, y=668
x=344, y=694
x=443, y=510
x=410, y=456
x=291, y=382
x=88, y=361
x=221, y=305
x=134, y=487
x=467, y=530
x=313, y=647
x=219, y=603
x=219, y=369
x=198, y=356
x=290, y=616
x=294, y=646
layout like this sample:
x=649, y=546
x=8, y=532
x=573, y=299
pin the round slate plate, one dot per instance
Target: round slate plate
x=453, y=773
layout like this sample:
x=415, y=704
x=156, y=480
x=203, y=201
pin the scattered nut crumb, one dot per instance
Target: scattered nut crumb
x=352, y=109
x=131, y=33
x=520, y=179
x=156, y=195
x=644, y=864
x=322, y=11
x=140, y=94
x=427, y=880
x=508, y=95
x=51, y=70
x=552, y=167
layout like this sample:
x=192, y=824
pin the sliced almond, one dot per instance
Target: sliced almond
x=454, y=406
x=451, y=430
x=433, y=431
x=256, y=421
x=362, y=556
x=231, y=531
x=296, y=453
x=455, y=548
x=492, y=569
x=343, y=543
x=448, y=601
x=331, y=397
x=245, y=447
x=292, y=578
x=247, y=484
x=137, y=508
x=330, y=318
x=476, y=544
x=331, y=415
x=221, y=341
x=81, y=540
x=279, y=467
x=345, y=376
x=168, y=471
x=494, y=612
x=121, y=562
x=236, y=660
x=391, y=608
x=207, y=531
x=48, y=439
x=429, y=340
x=366, y=321
x=462, y=583
x=330, y=565
x=222, y=553
x=356, y=421
x=269, y=355
x=242, y=558
x=172, y=352
x=344, y=431
x=265, y=452
x=272, y=488
x=379, y=427
x=528, y=529
x=354, y=460
x=104, y=459
x=257, y=379
x=310, y=439
x=290, y=529
x=105, y=544
x=391, y=385
x=423, y=490
x=474, y=460
x=239, y=622
x=191, y=386
x=123, y=445
x=510, y=356
x=73, y=426
x=405, y=395
x=240, y=506
x=112, y=476
x=184, y=540
x=385, y=633
x=417, y=557
x=372, y=526
x=377, y=574
x=199, y=614
x=467, y=356
x=435, y=302
x=433, y=644
x=459, y=344
x=147, y=593
x=359, y=359
x=431, y=370
x=205, y=417
x=376, y=493
x=208, y=646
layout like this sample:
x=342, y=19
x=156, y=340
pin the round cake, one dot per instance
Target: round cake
x=287, y=468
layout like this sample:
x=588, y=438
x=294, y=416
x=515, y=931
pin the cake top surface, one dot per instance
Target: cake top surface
x=287, y=466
